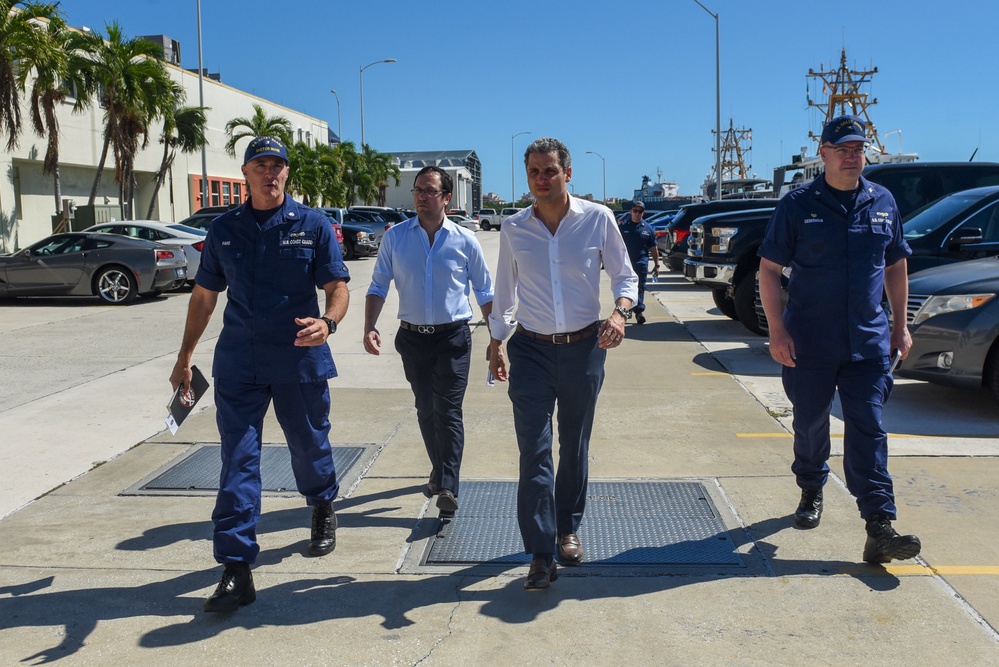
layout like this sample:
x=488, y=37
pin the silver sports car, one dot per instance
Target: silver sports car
x=115, y=268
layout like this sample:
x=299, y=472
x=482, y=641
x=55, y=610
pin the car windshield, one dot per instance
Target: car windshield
x=189, y=230
x=934, y=215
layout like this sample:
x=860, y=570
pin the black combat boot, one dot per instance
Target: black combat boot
x=885, y=545
x=323, y=530
x=234, y=591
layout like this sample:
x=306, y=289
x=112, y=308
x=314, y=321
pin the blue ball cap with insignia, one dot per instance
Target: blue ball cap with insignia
x=844, y=128
x=264, y=147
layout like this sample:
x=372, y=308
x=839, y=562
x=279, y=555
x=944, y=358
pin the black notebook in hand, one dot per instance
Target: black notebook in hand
x=182, y=402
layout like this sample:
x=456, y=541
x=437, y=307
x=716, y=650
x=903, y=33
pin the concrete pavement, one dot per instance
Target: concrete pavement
x=92, y=577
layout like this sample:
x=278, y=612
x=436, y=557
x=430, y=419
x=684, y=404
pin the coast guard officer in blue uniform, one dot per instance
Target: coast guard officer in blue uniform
x=270, y=256
x=640, y=240
x=842, y=237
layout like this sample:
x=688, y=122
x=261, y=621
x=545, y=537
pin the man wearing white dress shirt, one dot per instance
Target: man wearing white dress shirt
x=435, y=264
x=547, y=296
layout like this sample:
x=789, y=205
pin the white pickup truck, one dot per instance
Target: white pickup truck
x=490, y=219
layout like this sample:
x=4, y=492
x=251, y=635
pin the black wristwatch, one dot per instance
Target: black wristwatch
x=330, y=324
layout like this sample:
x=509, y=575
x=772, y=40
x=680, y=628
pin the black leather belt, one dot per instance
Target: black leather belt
x=562, y=338
x=432, y=328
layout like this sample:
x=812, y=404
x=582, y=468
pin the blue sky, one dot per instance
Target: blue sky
x=633, y=81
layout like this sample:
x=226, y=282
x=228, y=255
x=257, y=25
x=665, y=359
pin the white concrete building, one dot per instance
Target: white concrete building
x=462, y=166
x=27, y=201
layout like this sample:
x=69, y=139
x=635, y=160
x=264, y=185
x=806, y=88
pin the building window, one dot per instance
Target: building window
x=236, y=196
x=215, y=192
x=225, y=193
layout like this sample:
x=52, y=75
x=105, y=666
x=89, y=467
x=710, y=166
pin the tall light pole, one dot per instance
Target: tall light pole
x=604, y=169
x=339, y=129
x=360, y=76
x=201, y=103
x=718, y=174
x=513, y=164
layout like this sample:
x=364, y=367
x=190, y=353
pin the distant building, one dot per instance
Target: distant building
x=463, y=166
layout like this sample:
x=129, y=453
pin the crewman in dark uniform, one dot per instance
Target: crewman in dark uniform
x=842, y=237
x=270, y=256
x=641, y=242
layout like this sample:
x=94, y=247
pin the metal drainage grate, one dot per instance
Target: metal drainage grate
x=196, y=472
x=626, y=523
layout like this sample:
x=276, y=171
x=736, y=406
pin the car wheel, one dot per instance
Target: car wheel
x=745, y=305
x=350, y=252
x=724, y=303
x=115, y=285
x=484, y=225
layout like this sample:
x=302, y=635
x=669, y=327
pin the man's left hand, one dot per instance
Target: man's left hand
x=313, y=332
x=611, y=331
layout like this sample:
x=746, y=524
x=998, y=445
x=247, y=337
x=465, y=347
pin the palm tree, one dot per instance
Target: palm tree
x=60, y=71
x=259, y=125
x=379, y=168
x=18, y=40
x=183, y=130
x=316, y=174
x=135, y=88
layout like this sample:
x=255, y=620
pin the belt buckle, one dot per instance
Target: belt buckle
x=425, y=328
x=556, y=341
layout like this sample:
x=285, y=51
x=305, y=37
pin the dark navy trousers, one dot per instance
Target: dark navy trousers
x=436, y=367
x=864, y=387
x=642, y=269
x=543, y=374
x=302, y=410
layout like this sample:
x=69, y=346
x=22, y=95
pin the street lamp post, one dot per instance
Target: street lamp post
x=604, y=162
x=513, y=164
x=718, y=174
x=360, y=77
x=201, y=103
x=339, y=130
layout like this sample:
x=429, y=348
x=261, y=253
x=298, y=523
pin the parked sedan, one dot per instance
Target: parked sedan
x=960, y=226
x=953, y=314
x=115, y=268
x=463, y=221
x=192, y=239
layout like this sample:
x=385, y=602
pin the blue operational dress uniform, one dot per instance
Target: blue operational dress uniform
x=271, y=272
x=638, y=238
x=840, y=331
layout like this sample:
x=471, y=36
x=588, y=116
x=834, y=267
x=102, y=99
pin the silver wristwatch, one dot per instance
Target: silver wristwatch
x=625, y=312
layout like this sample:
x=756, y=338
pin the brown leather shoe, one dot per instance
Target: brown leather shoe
x=447, y=503
x=541, y=575
x=570, y=549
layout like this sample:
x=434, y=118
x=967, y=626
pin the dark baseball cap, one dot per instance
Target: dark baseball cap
x=264, y=147
x=844, y=128
x=638, y=204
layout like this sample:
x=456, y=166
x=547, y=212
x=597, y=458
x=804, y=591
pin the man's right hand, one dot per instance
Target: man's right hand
x=372, y=342
x=781, y=346
x=497, y=360
x=181, y=375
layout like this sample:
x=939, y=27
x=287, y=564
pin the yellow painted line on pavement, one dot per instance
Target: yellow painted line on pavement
x=924, y=570
x=832, y=435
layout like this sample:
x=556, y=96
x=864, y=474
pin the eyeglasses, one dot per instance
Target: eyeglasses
x=638, y=210
x=419, y=192
x=843, y=152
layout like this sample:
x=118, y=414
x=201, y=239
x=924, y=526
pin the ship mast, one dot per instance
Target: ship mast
x=845, y=97
x=733, y=155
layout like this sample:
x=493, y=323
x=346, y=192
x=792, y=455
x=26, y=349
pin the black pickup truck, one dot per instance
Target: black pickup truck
x=722, y=248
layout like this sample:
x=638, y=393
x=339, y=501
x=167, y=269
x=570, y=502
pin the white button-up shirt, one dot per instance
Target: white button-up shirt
x=433, y=281
x=550, y=283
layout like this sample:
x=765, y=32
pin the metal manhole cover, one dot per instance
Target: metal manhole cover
x=196, y=472
x=626, y=523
